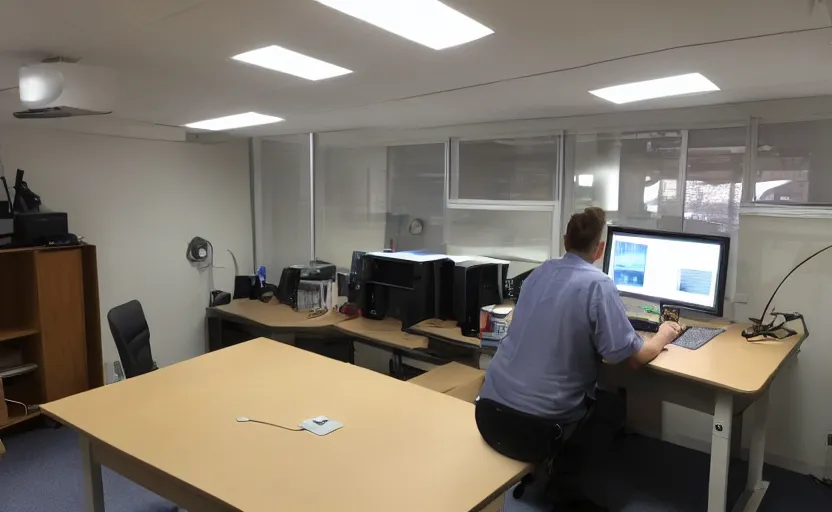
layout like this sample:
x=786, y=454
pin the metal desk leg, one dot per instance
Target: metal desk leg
x=720, y=452
x=755, y=486
x=396, y=365
x=93, y=487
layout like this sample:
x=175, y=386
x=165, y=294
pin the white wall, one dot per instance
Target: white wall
x=140, y=202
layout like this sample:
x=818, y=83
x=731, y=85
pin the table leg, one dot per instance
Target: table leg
x=396, y=365
x=2, y=449
x=93, y=486
x=736, y=437
x=214, y=333
x=720, y=452
x=755, y=486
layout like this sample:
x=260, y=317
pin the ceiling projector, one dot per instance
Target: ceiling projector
x=65, y=89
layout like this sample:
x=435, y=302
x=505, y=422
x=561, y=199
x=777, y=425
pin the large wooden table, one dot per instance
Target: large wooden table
x=725, y=376
x=174, y=431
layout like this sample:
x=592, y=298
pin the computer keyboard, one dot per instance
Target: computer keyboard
x=695, y=337
x=642, y=324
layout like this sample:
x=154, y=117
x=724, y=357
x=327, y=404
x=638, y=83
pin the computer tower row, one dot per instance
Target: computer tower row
x=413, y=288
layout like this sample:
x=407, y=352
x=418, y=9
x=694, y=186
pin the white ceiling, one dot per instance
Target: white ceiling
x=173, y=58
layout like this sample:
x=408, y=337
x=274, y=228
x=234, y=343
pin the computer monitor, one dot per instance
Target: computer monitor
x=666, y=267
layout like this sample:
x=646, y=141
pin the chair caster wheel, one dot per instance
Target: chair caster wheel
x=518, y=491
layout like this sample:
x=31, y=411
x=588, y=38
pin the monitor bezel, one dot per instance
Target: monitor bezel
x=724, y=243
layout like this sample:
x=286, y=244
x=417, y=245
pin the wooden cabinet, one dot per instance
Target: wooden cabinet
x=50, y=333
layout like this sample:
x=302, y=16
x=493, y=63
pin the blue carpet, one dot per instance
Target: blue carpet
x=42, y=473
x=670, y=478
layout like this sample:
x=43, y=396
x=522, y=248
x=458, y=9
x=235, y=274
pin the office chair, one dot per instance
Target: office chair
x=132, y=336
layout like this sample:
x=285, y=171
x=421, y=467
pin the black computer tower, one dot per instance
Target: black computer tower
x=354, y=284
x=410, y=291
x=476, y=284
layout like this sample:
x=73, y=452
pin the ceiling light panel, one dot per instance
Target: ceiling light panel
x=235, y=121
x=281, y=59
x=427, y=22
x=659, y=88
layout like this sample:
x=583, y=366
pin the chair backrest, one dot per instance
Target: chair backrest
x=132, y=336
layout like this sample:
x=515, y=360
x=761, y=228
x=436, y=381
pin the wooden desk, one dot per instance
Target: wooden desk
x=445, y=330
x=386, y=332
x=729, y=361
x=276, y=315
x=726, y=375
x=173, y=431
x=271, y=318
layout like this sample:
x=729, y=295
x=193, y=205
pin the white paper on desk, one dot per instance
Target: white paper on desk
x=478, y=259
x=409, y=256
x=320, y=425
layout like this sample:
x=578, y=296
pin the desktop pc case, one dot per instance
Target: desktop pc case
x=411, y=291
x=475, y=284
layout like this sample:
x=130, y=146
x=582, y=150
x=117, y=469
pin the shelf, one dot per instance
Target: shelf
x=14, y=371
x=18, y=417
x=13, y=334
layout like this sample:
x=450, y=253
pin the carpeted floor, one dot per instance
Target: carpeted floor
x=42, y=473
x=671, y=478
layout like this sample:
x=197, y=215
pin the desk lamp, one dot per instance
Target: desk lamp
x=774, y=329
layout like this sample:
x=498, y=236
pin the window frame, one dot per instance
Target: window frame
x=753, y=206
x=452, y=174
x=554, y=206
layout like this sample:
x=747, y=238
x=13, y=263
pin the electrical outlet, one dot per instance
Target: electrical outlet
x=113, y=372
x=741, y=298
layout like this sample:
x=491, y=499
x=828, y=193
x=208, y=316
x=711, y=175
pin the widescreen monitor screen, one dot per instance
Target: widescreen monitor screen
x=668, y=267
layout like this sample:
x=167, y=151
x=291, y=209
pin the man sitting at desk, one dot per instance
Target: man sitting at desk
x=539, y=389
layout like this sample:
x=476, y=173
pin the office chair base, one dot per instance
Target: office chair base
x=520, y=488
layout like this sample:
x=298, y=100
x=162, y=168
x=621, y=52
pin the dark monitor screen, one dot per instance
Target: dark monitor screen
x=667, y=267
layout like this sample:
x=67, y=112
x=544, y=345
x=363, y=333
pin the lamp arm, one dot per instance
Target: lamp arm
x=765, y=310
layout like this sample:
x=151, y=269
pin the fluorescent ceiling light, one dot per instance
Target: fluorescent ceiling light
x=286, y=61
x=585, y=180
x=659, y=88
x=235, y=121
x=427, y=22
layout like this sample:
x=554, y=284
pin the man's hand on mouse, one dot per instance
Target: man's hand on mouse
x=669, y=331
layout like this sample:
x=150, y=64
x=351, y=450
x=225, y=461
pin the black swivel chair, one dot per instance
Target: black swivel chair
x=132, y=336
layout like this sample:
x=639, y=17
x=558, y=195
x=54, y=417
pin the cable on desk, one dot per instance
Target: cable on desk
x=243, y=419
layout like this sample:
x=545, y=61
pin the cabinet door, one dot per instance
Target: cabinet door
x=62, y=327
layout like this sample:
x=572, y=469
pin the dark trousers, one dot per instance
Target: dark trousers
x=528, y=438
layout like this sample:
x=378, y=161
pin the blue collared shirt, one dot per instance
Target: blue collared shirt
x=569, y=317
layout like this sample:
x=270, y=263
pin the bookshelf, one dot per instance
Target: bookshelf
x=50, y=332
